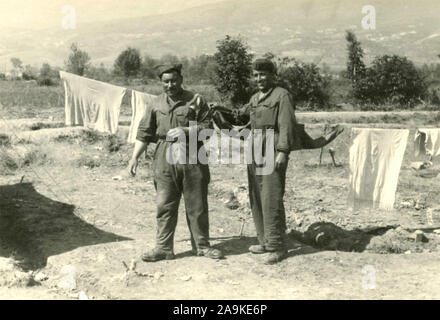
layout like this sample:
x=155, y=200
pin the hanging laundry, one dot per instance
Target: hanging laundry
x=427, y=142
x=91, y=103
x=139, y=103
x=375, y=160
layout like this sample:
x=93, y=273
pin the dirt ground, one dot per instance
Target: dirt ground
x=73, y=225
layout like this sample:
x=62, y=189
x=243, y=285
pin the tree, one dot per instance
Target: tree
x=232, y=71
x=392, y=79
x=17, y=70
x=99, y=73
x=169, y=59
x=16, y=63
x=30, y=73
x=200, y=70
x=78, y=61
x=147, y=67
x=355, y=64
x=46, y=76
x=304, y=81
x=128, y=62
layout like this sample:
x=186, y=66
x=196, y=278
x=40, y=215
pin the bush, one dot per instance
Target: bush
x=28, y=76
x=45, y=82
x=391, y=79
x=47, y=76
x=30, y=73
x=305, y=82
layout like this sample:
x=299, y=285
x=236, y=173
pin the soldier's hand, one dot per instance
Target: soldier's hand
x=177, y=132
x=281, y=161
x=213, y=105
x=132, y=166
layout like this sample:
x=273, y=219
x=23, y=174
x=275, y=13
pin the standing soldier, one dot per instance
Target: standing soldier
x=170, y=117
x=270, y=108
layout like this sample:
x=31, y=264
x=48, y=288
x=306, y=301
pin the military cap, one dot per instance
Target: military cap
x=163, y=68
x=264, y=65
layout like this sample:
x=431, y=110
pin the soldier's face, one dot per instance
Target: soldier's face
x=263, y=80
x=172, y=83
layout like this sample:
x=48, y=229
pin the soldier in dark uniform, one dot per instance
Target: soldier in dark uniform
x=168, y=119
x=270, y=108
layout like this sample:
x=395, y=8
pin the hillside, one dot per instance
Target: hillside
x=308, y=30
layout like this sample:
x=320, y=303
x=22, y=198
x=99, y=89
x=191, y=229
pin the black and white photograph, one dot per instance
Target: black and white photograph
x=219, y=150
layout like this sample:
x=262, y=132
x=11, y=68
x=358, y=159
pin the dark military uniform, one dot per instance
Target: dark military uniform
x=274, y=110
x=173, y=180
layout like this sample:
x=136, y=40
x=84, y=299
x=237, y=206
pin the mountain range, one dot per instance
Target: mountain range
x=310, y=30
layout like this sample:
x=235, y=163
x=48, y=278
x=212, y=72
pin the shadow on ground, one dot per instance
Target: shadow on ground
x=33, y=227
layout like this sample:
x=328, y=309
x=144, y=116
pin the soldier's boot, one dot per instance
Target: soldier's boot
x=276, y=256
x=157, y=254
x=257, y=249
x=210, y=253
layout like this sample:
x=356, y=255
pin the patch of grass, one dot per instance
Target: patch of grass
x=34, y=156
x=41, y=125
x=434, y=119
x=5, y=140
x=13, y=159
x=7, y=163
x=88, y=162
x=91, y=136
x=28, y=100
x=64, y=138
x=112, y=143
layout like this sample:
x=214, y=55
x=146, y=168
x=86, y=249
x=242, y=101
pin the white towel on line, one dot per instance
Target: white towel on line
x=427, y=142
x=375, y=160
x=140, y=102
x=92, y=103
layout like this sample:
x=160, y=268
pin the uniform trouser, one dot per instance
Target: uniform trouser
x=266, y=198
x=171, y=181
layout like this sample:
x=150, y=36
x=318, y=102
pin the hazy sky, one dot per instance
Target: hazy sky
x=36, y=14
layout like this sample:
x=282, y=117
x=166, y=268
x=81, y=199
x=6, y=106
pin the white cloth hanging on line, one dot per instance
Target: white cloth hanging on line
x=140, y=102
x=375, y=160
x=92, y=103
x=427, y=142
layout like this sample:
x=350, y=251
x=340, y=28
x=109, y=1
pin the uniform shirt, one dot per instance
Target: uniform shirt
x=167, y=114
x=274, y=110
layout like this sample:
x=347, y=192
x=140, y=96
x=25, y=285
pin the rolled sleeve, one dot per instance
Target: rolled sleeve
x=147, y=127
